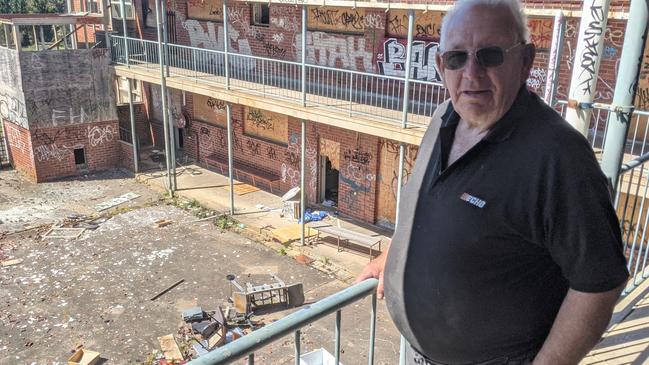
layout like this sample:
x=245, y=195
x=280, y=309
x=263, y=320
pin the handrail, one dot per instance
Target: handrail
x=55, y=44
x=634, y=163
x=287, y=325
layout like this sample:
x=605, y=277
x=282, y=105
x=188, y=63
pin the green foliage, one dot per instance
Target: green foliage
x=31, y=6
x=282, y=251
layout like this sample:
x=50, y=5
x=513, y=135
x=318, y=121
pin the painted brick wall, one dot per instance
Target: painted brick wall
x=20, y=150
x=53, y=148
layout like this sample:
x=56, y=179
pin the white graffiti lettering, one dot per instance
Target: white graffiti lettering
x=13, y=109
x=15, y=139
x=328, y=50
x=98, y=135
x=423, y=60
x=52, y=151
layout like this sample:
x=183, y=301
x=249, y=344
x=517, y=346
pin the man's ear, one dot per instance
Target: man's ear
x=438, y=65
x=529, y=53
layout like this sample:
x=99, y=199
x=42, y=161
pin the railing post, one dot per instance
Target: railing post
x=124, y=30
x=302, y=181
x=402, y=152
x=406, y=83
x=590, y=44
x=163, y=95
x=172, y=128
x=16, y=33
x=228, y=111
x=625, y=90
x=303, y=60
x=35, y=37
x=297, y=347
x=165, y=44
x=136, y=162
x=552, y=79
x=372, y=330
x=226, y=45
x=42, y=34
x=403, y=345
x=5, y=28
x=337, y=340
x=351, y=90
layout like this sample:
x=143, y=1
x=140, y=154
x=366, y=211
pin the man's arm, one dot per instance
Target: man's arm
x=375, y=270
x=581, y=321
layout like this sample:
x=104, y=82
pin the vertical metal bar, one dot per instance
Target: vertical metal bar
x=226, y=42
x=625, y=89
x=163, y=95
x=552, y=81
x=304, y=20
x=124, y=31
x=85, y=36
x=5, y=28
x=35, y=37
x=406, y=85
x=56, y=36
x=590, y=45
x=136, y=162
x=251, y=359
x=16, y=32
x=402, y=351
x=337, y=343
x=228, y=112
x=165, y=44
x=42, y=34
x=402, y=152
x=302, y=180
x=372, y=330
x=297, y=347
x=172, y=127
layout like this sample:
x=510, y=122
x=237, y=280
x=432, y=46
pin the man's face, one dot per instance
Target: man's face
x=484, y=94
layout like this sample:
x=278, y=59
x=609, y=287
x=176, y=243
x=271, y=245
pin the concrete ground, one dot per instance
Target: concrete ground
x=94, y=291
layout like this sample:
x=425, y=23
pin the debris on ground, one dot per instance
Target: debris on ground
x=116, y=201
x=66, y=233
x=162, y=223
x=84, y=357
x=11, y=262
x=170, y=348
x=167, y=289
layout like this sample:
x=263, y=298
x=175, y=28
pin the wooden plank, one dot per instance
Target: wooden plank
x=210, y=110
x=170, y=348
x=205, y=9
x=331, y=19
x=242, y=189
x=266, y=125
x=291, y=233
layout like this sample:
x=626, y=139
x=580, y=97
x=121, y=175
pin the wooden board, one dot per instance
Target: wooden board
x=642, y=94
x=266, y=125
x=332, y=19
x=541, y=30
x=169, y=347
x=210, y=110
x=205, y=9
x=386, y=202
x=427, y=25
x=331, y=149
x=242, y=189
x=292, y=233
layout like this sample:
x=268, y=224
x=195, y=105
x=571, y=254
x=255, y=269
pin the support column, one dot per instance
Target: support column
x=625, y=90
x=172, y=127
x=552, y=80
x=163, y=95
x=131, y=110
x=402, y=156
x=17, y=36
x=228, y=111
x=226, y=45
x=35, y=37
x=302, y=181
x=42, y=35
x=585, y=69
x=6, y=30
x=124, y=31
x=304, y=21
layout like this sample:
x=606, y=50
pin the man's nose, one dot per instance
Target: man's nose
x=472, y=69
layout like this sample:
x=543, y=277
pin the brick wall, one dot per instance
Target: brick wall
x=19, y=149
x=142, y=127
x=126, y=155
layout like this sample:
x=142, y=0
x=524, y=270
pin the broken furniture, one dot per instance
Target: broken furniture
x=253, y=297
x=349, y=236
x=210, y=325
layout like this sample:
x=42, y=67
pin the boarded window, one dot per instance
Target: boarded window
x=427, y=25
x=116, y=9
x=541, y=32
x=260, y=14
x=205, y=9
x=122, y=90
x=266, y=125
x=210, y=110
x=331, y=19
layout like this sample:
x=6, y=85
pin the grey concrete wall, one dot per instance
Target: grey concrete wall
x=68, y=87
x=12, y=100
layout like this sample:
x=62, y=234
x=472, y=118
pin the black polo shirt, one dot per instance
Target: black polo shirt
x=486, y=249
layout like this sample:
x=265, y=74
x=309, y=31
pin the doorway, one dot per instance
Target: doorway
x=328, y=182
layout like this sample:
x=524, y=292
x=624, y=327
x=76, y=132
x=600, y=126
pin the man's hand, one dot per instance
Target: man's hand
x=375, y=270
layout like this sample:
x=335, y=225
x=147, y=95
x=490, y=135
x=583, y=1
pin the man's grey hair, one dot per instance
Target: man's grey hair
x=514, y=6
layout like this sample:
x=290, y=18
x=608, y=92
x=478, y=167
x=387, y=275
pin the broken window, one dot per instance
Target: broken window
x=260, y=14
x=122, y=90
x=116, y=9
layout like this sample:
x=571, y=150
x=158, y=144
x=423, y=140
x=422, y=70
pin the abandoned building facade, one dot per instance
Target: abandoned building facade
x=65, y=96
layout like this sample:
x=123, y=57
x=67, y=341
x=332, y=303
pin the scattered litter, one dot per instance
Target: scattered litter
x=116, y=201
x=162, y=223
x=167, y=289
x=328, y=203
x=318, y=357
x=291, y=194
x=314, y=216
x=11, y=262
x=84, y=357
x=68, y=233
x=170, y=348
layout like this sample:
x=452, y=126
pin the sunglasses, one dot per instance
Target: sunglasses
x=486, y=57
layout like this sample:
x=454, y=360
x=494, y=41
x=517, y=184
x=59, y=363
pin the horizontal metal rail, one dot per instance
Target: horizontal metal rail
x=247, y=345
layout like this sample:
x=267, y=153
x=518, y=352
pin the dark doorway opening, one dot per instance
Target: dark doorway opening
x=331, y=176
x=181, y=133
x=79, y=156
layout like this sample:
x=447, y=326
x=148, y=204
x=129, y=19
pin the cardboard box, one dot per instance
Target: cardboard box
x=84, y=357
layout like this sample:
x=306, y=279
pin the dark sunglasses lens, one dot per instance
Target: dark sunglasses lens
x=490, y=56
x=454, y=60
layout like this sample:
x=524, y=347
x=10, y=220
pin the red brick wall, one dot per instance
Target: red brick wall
x=126, y=155
x=142, y=127
x=53, y=148
x=19, y=149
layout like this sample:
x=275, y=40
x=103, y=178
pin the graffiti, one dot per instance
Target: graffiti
x=289, y=25
x=391, y=149
x=642, y=98
x=537, y=78
x=15, y=139
x=45, y=139
x=253, y=147
x=73, y=115
x=373, y=21
x=51, y=151
x=614, y=37
x=347, y=19
x=98, y=135
x=205, y=131
x=398, y=24
x=274, y=51
x=236, y=15
x=541, y=30
x=292, y=159
x=332, y=50
x=215, y=104
x=392, y=61
x=426, y=31
x=590, y=54
x=290, y=168
x=357, y=156
x=198, y=37
x=356, y=185
x=271, y=153
x=221, y=138
x=259, y=120
x=610, y=51
x=13, y=110
x=290, y=175
x=278, y=38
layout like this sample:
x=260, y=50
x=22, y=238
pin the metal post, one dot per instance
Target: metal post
x=406, y=85
x=337, y=340
x=165, y=41
x=123, y=12
x=304, y=19
x=172, y=127
x=226, y=42
x=402, y=351
x=372, y=330
x=552, y=80
x=402, y=152
x=297, y=347
x=590, y=44
x=42, y=34
x=56, y=36
x=136, y=155
x=228, y=111
x=625, y=90
x=35, y=37
x=17, y=38
x=85, y=36
x=302, y=181
x=6, y=30
x=163, y=95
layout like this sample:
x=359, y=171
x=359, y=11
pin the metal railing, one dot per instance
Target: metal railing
x=247, y=345
x=345, y=91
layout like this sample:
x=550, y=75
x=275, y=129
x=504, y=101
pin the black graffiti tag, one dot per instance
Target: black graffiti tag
x=592, y=39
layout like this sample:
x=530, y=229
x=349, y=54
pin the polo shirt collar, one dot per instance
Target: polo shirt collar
x=502, y=129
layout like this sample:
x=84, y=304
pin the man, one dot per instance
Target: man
x=507, y=249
